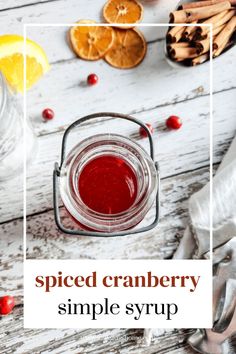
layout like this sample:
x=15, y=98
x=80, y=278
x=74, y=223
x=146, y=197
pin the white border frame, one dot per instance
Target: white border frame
x=28, y=25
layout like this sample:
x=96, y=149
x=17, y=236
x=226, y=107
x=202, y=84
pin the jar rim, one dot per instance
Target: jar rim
x=116, y=144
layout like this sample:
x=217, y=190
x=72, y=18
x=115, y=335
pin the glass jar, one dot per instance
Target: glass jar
x=131, y=155
x=12, y=133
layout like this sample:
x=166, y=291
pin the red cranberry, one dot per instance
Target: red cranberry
x=174, y=122
x=6, y=304
x=92, y=79
x=142, y=131
x=48, y=114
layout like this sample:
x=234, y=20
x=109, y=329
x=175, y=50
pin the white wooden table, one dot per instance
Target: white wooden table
x=151, y=92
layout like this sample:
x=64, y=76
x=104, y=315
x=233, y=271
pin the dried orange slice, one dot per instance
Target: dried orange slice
x=123, y=11
x=128, y=50
x=91, y=42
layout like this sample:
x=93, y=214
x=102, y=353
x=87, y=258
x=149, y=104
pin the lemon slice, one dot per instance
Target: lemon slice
x=12, y=61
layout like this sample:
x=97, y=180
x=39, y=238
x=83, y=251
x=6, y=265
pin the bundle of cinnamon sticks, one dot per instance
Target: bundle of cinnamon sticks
x=191, y=44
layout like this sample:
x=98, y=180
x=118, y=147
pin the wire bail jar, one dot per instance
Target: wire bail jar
x=107, y=183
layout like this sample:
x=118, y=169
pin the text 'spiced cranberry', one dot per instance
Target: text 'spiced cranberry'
x=108, y=185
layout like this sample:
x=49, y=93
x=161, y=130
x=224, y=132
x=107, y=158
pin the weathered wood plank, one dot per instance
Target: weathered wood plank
x=51, y=244
x=65, y=81
x=6, y=5
x=177, y=152
x=59, y=12
x=56, y=12
x=15, y=339
x=45, y=241
x=153, y=83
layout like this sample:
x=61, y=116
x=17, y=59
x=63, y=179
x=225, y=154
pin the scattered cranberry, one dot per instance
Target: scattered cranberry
x=174, y=122
x=6, y=304
x=48, y=114
x=143, y=132
x=92, y=79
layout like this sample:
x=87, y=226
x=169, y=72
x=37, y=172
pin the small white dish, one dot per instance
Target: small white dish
x=178, y=65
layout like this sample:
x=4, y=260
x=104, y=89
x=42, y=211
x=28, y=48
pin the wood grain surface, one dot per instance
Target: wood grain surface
x=151, y=92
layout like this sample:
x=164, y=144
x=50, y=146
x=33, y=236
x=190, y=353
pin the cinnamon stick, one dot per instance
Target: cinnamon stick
x=216, y=31
x=200, y=13
x=192, y=43
x=194, y=5
x=203, y=46
x=191, y=37
x=224, y=36
x=171, y=35
x=183, y=53
x=189, y=29
x=179, y=34
x=220, y=50
x=201, y=59
x=201, y=37
x=177, y=45
x=216, y=21
x=225, y=19
x=196, y=36
x=217, y=52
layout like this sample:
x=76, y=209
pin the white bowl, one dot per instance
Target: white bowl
x=175, y=64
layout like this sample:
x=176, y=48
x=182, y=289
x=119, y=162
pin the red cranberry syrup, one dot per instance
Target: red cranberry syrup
x=108, y=185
